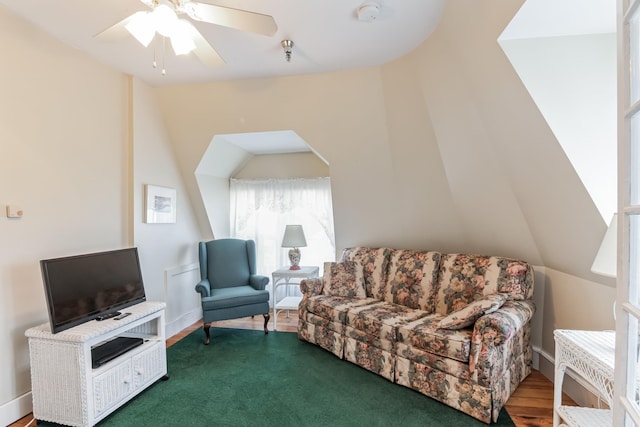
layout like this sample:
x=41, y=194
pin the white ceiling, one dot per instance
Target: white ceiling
x=327, y=35
x=275, y=142
x=555, y=18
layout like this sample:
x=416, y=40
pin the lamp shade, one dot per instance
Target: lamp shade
x=605, y=262
x=294, y=237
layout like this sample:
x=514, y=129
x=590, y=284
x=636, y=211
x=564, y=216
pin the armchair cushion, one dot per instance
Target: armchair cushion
x=234, y=297
x=343, y=279
x=468, y=315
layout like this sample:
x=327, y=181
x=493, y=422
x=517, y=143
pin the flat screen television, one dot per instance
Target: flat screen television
x=85, y=287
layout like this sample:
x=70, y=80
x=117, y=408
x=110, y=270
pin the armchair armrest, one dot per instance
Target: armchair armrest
x=204, y=288
x=496, y=329
x=258, y=282
x=311, y=287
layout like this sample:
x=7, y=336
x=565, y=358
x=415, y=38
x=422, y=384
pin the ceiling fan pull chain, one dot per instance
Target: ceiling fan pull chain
x=155, y=64
x=164, y=50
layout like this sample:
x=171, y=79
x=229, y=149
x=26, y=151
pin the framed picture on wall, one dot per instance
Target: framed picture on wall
x=160, y=204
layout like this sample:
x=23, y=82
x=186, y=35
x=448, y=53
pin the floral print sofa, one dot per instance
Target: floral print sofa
x=454, y=327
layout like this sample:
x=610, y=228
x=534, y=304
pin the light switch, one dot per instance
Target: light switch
x=14, y=211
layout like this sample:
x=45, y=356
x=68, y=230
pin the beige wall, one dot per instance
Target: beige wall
x=442, y=149
x=63, y=160
x=69, y=131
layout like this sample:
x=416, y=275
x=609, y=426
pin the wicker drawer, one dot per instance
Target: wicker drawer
x=112, y=387
x=149, y=364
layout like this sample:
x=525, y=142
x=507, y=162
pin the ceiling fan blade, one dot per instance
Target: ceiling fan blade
x=205, y=52
x=232, y=18
x=115, y=32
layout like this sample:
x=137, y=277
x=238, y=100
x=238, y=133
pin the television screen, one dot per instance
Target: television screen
x=83, y=287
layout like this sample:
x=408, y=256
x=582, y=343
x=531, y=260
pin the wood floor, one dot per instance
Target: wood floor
x=530, y=406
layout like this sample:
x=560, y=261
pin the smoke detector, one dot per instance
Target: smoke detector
x=368, y=12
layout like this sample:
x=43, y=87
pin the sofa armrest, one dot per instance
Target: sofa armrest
x=258, y=282
x=311, y=287
x=495, y=329
x=203, y=288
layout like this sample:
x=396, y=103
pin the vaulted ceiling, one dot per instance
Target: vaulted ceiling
x=327, y=36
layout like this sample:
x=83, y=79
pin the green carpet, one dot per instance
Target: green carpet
x=246, y=378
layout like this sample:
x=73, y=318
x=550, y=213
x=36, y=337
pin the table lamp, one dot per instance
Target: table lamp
x=294, y=239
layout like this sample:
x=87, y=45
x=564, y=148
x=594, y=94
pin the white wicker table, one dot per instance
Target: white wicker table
x=286, y=277
x=590, y=354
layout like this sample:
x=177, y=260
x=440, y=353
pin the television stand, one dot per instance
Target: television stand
x=67, y=389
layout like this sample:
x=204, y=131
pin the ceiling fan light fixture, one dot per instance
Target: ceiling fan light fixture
x=165, y=20
x=141, y=26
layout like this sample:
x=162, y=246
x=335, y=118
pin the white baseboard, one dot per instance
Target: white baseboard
x=15, y=409
x=182, y=322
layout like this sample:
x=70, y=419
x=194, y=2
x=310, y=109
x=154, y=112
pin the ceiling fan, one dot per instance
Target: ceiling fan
x=165, y=19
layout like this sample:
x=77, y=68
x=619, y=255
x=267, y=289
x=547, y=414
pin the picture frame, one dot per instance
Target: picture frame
x=160, y=204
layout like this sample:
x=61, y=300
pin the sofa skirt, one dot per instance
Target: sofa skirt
x=321, y=336
x=372, y=358
x=463, y=395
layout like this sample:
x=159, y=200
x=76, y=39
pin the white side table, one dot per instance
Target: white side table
x=284, y=277
x=590, y=354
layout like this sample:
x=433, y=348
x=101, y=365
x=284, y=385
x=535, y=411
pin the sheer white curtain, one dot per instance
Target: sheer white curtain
x=261, y=208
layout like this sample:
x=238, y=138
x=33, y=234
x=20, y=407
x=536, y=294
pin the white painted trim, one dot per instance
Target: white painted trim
x=183, y=322
x=574, y=385
x=15, y=409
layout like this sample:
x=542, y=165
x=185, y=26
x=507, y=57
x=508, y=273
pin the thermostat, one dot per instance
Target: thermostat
x=14, y=211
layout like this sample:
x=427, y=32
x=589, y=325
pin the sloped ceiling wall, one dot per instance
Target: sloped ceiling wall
x=443, y=149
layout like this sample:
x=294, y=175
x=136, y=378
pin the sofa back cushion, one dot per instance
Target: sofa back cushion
x=412, y=279
x=375, y=265
x=465, y=278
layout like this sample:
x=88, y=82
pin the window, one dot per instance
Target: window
x=261, y=208
x=626, y=408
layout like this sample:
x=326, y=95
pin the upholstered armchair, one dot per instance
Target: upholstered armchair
x=229, y=287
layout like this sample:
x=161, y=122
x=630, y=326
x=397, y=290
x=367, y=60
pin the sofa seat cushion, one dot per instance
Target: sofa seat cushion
x=329, y=324
x=424, y=334
x=381, y=320
x=234, y=297
x=445, y=364
x=333, y=307
x=372, y=340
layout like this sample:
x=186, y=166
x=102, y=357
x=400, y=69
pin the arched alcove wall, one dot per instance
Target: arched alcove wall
x=267, y=154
